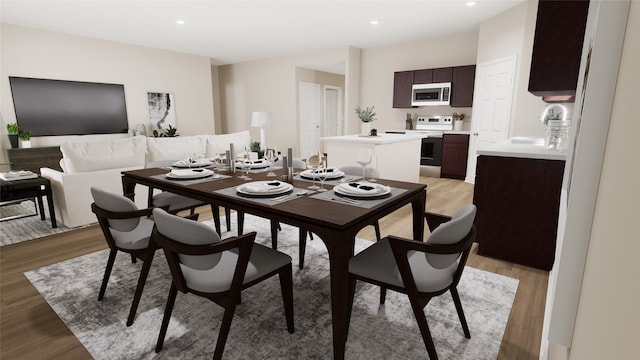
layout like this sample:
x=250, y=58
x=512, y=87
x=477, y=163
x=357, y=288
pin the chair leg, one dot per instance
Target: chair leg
x=418, y=311
x=224, y=330
x=286, y=286
x=302, y=235
x=227, y=217
x=383, y=294
x=216, y=218
x=173, y=291
x=240, y=222
x=274, y=234
x=376, y=226
x=146, y=265
x=107, y=273
x=133, y=259
x=463, y=320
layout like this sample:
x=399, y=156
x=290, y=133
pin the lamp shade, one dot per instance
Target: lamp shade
x=261, y=119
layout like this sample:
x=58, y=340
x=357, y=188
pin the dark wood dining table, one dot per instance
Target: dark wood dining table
x=336, y=223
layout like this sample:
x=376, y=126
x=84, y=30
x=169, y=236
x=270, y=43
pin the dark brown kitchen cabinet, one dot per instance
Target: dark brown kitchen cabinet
x=454, y=156
x=462, y=86
x=402, y=83
x=518, y=204
x=557, y=47
x=429, y=76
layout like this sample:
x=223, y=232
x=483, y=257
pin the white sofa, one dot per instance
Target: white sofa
x=87, y=164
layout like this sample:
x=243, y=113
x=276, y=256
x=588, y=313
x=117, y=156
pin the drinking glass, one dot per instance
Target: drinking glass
x=373, y=166
x=363, y=157
x=246, y=165
x=271, y=155
x=322, y=175
x=312, y=163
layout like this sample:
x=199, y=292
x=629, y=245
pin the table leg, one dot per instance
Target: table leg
x=41, y=207
x=418, y=207
x=52, y=214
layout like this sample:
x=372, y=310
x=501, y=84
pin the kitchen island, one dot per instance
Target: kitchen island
x=394, y=156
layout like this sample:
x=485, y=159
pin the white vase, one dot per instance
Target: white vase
x=365, y=128
x=25, y=144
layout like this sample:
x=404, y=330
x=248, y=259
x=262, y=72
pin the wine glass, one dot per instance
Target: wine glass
x=373, y=166
x=322, y=175
x=271, y=155
x=363, y=158
x=246, y=165
x=313, y=162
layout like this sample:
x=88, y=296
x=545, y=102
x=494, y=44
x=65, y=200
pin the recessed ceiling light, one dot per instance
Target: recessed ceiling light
x=470, y=3
x=374, y=22
x=180, y=22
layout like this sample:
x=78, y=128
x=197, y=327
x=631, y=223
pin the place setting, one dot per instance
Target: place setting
x=267, y=192
x=359, y=193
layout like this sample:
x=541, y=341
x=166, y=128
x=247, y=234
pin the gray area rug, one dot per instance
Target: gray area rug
x=259, y=329
x=26, y=228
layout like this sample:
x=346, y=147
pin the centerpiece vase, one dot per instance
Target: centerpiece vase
x=365, y=128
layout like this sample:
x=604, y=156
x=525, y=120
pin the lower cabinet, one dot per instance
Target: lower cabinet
x=518, y=204
x=454, y=156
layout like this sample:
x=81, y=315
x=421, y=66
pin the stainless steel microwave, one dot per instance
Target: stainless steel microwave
x=431, y=94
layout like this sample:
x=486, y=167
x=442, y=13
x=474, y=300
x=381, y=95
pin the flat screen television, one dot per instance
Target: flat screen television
x=58, y=107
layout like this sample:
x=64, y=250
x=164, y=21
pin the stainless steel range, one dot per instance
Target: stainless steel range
x=431, y=149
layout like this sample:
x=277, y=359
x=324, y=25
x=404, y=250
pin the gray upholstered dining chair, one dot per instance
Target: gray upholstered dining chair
x=126, y=229
x=204, y=265
x=422, y=270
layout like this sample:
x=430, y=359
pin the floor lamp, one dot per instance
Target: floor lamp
x=261, y=119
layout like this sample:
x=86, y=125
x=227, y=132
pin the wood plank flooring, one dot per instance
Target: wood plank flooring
x=30, y=329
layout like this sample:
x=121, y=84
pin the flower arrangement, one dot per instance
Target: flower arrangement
x=367, y=114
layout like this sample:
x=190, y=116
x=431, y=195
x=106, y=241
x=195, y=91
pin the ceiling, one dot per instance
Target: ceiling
x=237, y=31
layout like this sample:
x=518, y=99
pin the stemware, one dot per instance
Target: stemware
x=373, y=166
x=313, y=162
x=271, y=155
x=322, y=175
x=363, y=158
x=245, y=165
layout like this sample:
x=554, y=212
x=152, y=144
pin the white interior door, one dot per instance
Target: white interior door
x=332, y=124
x=492, y=98
x=309, y=117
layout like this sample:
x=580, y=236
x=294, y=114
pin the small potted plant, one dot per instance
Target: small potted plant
x=13, y=130
x=25, y=139
x=366, y=115
x=255, y=147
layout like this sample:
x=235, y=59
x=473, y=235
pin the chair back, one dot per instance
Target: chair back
x=357, y=171
x=115, y=203
x=451, y=232
x=188, y=232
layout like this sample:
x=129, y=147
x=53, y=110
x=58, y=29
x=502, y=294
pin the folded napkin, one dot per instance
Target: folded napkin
x=320, y=171
x=263, y=186
x=189, y=172
x=362, y=188
x=191, y=162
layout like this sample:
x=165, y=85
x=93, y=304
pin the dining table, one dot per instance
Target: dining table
x=334, y=221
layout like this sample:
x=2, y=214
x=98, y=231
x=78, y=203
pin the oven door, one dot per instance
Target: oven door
x=431, y=151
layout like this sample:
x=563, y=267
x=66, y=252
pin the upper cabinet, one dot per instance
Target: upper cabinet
x=462, y=86
x=461, y=79
x=557, y=47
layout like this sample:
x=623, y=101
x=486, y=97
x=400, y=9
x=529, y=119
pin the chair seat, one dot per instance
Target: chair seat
x=377, y=263
x=175, y=201
x=135, y=239
x=218, y=278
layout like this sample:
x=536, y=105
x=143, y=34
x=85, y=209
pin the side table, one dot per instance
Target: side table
x=28, y=189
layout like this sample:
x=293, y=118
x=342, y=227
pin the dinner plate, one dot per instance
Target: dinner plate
x=254, y=164
x=192, y=163
x=187, y=174
x=264, y=189
x=332, y=174
x=362, y=190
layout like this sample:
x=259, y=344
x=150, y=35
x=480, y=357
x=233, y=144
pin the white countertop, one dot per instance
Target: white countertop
x=423, y=133
x=382, y=138
x=529, y=148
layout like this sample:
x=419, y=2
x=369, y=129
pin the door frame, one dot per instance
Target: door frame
x=339, y=110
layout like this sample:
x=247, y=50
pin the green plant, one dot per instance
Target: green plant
x=170, y=132
x=254, y=144
x=366, y=115
x=24, y=135
x=13, y=129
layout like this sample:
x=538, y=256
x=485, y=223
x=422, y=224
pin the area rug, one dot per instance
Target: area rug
x=259, y=330
x=27, y=228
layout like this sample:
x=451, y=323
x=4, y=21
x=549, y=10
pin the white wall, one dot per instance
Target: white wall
x=42, y=54
x=379, y=63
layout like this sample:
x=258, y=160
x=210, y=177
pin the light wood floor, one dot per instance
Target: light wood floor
x=30, y=329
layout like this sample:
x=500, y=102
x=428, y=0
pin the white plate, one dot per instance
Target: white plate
x=311, y=174
x=362, y=190
x=192, y=163
x=264, y=188
x=254, y=164
x=185, y=174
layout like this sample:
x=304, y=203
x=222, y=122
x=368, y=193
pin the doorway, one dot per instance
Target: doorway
x=309, y=105
x=332, y=124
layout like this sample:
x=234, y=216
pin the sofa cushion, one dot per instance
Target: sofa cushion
x=218, y=144
x=174, y=148
x=91, y=156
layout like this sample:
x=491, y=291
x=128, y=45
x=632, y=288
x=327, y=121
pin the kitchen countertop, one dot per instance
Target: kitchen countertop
x=382, y=138
x=529, y=148
x=424, y=132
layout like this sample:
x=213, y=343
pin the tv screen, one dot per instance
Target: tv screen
x=56, y=107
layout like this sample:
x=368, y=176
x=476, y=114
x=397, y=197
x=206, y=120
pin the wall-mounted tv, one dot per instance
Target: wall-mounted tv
x=57, y=107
